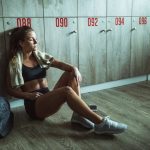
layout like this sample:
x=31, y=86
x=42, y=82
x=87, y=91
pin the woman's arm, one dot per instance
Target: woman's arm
x=61, y=65
x=18, y=93
x=67, y=67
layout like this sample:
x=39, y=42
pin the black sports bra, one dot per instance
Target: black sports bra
x=31, y=73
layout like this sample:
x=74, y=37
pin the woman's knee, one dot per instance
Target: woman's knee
x=68, y=90
x=68, y=74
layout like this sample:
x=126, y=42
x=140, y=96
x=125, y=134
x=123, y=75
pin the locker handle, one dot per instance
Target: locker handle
x=109, y=30
x=133, y=29
x=102, y=31
x=75, y=31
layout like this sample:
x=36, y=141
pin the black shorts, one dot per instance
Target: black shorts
x=30, y=104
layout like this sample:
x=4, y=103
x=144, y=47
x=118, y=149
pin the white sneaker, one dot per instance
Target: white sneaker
x=76, y=118
x=110, y=127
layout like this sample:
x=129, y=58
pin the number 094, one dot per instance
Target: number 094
x=119, y=21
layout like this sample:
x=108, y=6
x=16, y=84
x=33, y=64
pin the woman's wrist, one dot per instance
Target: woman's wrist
x=28, y=95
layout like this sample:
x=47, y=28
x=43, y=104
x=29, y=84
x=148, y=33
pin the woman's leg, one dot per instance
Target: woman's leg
x=67, y=79
x=66, y=90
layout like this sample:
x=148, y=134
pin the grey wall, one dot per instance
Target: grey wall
x=93, y=39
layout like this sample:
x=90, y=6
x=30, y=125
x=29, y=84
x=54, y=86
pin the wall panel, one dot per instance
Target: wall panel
x=141, y=8
x=92, y=51
x=118, y=48
x=62, y=43
x=22, y=8
x=100, y=54
x=140, y=47
x=119, y=7
x=91, y=8
x=53, y=8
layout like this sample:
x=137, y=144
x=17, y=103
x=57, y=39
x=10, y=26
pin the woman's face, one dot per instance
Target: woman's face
x=30, y=42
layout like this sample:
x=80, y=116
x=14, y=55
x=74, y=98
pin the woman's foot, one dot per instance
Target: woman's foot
x=109, y=126
x=76, y=118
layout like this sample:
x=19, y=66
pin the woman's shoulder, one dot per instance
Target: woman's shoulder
x=42, y=54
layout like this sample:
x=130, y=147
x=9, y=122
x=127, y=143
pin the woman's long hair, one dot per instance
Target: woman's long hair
x=17, y=34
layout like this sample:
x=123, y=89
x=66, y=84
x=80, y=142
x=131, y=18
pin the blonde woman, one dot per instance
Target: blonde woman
x=27, y=80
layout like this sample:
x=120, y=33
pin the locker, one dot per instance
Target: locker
x=118, y=47
x=141, y=8
x=57, y=8
x=119, y=8
x=3, y=60
x=36, y=24
x=92, y=50
x=61, y=42
x=140, y=46
x=22, y=8
x=91, y=8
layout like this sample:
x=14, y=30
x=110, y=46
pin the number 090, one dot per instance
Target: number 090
x=61, y=22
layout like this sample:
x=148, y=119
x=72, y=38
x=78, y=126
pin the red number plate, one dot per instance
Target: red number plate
x=23, y=22
x=119, y=21
x=142, y=20
x=92, y=21
x=61, y=22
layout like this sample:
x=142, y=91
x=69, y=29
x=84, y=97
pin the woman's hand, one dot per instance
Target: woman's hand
x=34, y=95
x=77, y=74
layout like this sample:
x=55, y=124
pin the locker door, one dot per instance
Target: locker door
x=60, y=8
x=141, y=8
x=61, y=42
x=1, y=13
x=35, y=23
x=92, y=50
x=3, y=59
x=119, y=7
x=22, y=8
x=91, y=8
x=140, y=46
x=118, y=47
